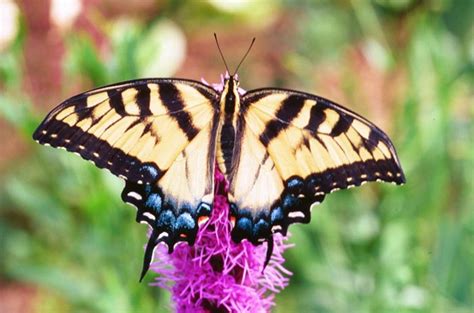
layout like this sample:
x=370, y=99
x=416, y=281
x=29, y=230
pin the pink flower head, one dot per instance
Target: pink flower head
x=219, y=87
x=217, y=274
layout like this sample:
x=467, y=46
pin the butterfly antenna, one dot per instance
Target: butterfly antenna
x=220, y=51
x=246, y=53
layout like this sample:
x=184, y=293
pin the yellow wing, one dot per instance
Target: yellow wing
x=121, y=127
x=157, y=134
x=294, y=149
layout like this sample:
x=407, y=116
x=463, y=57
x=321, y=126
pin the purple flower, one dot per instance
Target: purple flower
x=216, y=274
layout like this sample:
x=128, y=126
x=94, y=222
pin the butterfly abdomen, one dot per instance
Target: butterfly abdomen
x=226, y=145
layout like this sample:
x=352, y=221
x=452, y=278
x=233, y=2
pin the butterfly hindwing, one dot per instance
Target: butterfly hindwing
x=294, y=149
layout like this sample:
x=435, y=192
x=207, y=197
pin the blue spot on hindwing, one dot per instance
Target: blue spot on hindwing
x=166, y=220
x=185, y=222
x=295, y=185
x=289, y=201
x=244, y=225
x=277, y=215
x=149, y=172
x=261, y=229
x=154, y=202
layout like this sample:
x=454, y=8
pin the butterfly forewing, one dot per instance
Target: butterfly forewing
x=121, y=127
x=296, y=148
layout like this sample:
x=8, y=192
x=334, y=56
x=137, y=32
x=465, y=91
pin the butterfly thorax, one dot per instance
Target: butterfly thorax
x=228, y=121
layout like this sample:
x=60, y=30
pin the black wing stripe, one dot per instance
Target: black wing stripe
x=116, y=101
x=373, y=139
x=368, y=168
x=81, y=109
x=53, y=132
x=143, y=101
x=171, y=98
x=317, y=117
x=289, y=109
x=342, y=125
x=133, y=124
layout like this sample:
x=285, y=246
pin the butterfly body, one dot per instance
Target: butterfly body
x=229, y=105
x=281, y=151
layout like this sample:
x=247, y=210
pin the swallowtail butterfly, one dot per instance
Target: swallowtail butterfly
x=281, y=152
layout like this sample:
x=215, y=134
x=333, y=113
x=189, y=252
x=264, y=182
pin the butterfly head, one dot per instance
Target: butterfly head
x=230, y=97
x=227, y=76
x=232, y=80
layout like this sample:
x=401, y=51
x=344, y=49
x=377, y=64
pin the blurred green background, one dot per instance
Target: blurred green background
x=68, y=243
